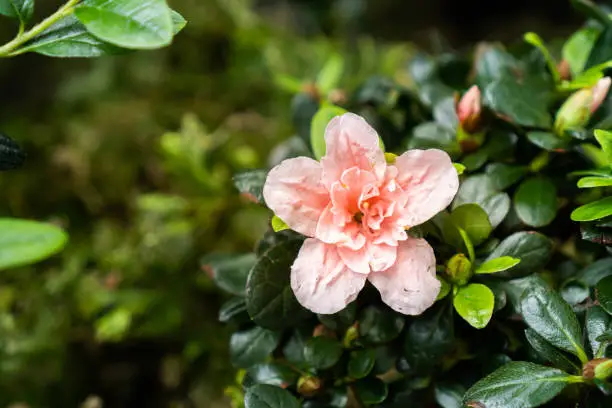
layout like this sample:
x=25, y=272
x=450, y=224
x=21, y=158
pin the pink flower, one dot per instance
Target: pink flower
x=469, y=109
x=355, y=209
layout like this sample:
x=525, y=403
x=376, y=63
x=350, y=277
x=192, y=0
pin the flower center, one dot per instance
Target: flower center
x=358, y=217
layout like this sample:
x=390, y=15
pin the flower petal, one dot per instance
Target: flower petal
x=410, y=286
x=430, y=182
x=372, y=257
x=320, y=280
x=293, y=190
x=351, y=142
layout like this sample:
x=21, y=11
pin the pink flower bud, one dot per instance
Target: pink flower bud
x=600, y=90
x=576, y=111
x=469, y=110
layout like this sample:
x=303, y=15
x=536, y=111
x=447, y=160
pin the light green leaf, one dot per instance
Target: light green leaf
x=133, y=24
x=593, y=181
x=604, y=138
x=593, y=211
x=473, y=220
x=178, y=22
x=535, y=202
x=317, y=129
x=475, y=303
x=459, y=167
x=20, y=9
x=278, y=224
x=330, y=75
x=577, y=48
x=24, y=242
x=497, y=264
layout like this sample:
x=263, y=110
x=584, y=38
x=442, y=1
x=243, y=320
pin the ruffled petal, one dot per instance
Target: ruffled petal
x=410, y=286
x=320, y=280
x=429, y=181
x=294, y=191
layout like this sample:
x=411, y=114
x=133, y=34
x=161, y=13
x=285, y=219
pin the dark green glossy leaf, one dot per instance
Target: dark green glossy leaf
x=377, y=325
x=595, y=272
x=547, y=140
x=270, y=300
x=229, y=271
x=269, y=396
x=480, y=189
x=252, y=346
x=20, y=9
x=370, y=390
x=233, y=309
x=535, y=202
x=322, y=352
x=294, y=348
x=532, y=248
x=515, y=288
x=602, y=49
x=275, y=374
x=361, y=363
x=24, y=242
x=449, y=395
x=134, y=24
x=574, y=292
x=475, y=160
x=598, y=322
x=589, y=9
x=433, y=135
x=474, y=303
x=494, y=63
x=549, y=353
x=503, y=176
x=251, y=183
x=553, y=319
x=604, y=293
x=517, y=385
x=342, y=320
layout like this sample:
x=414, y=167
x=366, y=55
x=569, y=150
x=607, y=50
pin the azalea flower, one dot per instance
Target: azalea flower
x=355, y=209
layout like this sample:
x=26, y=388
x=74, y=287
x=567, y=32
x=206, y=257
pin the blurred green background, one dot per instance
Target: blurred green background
x=134, y=155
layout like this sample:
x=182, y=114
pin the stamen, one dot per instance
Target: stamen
x=358, y=217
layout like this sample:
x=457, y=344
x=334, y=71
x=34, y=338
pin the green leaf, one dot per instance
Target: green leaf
x=480, y=189
x=472, y=219
x=494, y=63
x=595, y=271
x=598, y=322
x=593, y=211
x=322, y=352
x=24, y=242
x=476, y=160
x=549, y=353
x=591, y=10
x=178, y=22
x=536, y=41
x=270, y=300
x=233, y=309
x=574, y=292
x=459, y=167
x=553, y=319
x=342, y=320
x=269, y=396
x=370, y=390
x=252, y=346
x=377, y=325
x=503, y=176
x=132, y=24
x=317, y=128
x=278, y=224
x=547, y=140
x=69, y=38
x=449, y=395
x=517, y=384
x=604, y=293
x=251, y=183
x=604, y=138
x=20, y=9
x=592, y=182
x=429, y=337
x=275, y=374
x=445, y=288
x=601, y=51
x=524, y=104
x=361, y=363
x=430, y=135
x=577, y=48
x=295, y=346
x=330, y=75
x=532, y=248
x=474, y=303
x=497, y=264
x=229, y=271
x=535, y=202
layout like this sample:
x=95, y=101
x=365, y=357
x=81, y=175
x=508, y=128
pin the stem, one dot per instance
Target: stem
x=9, y=48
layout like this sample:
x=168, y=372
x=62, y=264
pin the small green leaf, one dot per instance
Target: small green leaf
x=504, y=175
x=474, y=303
x=270, y=300
x=229, y=271
x=322, y=352
x=497, y=265
x=20, y=9
x=252, y=346
x=370, y=391
x=535, y=202
x=517, y=384
x=445, y=288
x=132, y=24
x=330, y=75
x=595, y=271
x=275, y=374
x=473, y=220
x=269, y=396
x=604, y=293
x=536, y=41
x=251, y=183
x=577, y=48
x=553, y=319
x=24, y=242
x=480, y=189
x=459, y=167
x=598, y=322
x=449, y=395
x=233, y=309
x=178, y=22
x=574, y=292
x=549, y=353
x=317, y=129
x=278, y=224
x=547, y=140
x=593, y=211
x=592, y=182
x=361, y=363
x=532, y=248
x=342, y=320
x=377, y=325
x=604, y=138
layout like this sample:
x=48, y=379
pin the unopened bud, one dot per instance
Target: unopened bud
x=337, y=97
x=459, y=269
x=308, y=386
x=592, y=368
x=576, y=111
x=352, y=334
x=469, y=110
x=564, y=70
